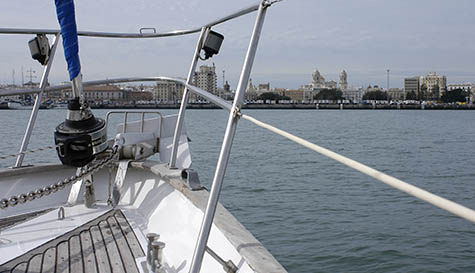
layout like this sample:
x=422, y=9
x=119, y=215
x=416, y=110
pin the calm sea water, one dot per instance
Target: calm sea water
x=315, y=215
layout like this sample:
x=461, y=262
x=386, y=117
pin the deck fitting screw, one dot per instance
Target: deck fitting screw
x=151, y=237
x=61, y=213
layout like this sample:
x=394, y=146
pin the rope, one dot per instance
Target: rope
x=424, y=195
x=29, y=151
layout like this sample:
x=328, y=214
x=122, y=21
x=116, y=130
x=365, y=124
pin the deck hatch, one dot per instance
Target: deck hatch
x=105, y=244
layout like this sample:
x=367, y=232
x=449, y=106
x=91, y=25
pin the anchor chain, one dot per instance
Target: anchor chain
x=30, y=151
x=36, y=194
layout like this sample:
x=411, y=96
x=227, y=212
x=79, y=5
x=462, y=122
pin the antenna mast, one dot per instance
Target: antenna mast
x=387, y=70
x=224, y=71
x=30, y=72
x=13, y=77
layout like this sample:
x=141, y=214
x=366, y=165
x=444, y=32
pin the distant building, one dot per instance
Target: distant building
x=134, y=96
x=373, y=88
x=467, y=86
x=330, y=85
x=434, y=84
x=308, y=95
x=251, y=92
x=100, y=93
x=168, y=92
x=226, y=92
x=343, y=80
x=295, y=95
x=353, y=95
x=412, y=84
x=206, y=79
x=264, y=87
x=227, y=87
x=396, y=94
x=319, y=82
x=307, y=87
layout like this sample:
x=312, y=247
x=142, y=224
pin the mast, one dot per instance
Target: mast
x=81, y=128
x=30, y=72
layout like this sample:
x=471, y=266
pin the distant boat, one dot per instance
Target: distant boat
x=61, y=105
x=19, y=106
x=45, y=105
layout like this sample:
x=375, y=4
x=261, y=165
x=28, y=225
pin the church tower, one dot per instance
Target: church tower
x=318, y=81
x=343, y=80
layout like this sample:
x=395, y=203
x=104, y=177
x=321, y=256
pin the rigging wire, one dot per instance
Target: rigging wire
x=30, y=151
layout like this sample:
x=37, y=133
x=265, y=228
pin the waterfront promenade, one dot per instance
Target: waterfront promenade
x=289, y=106
x=301, y=106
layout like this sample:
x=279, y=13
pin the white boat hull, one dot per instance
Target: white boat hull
x=19, y=106
x=153, y=199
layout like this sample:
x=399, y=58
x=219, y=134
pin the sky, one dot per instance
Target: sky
x=364, y=37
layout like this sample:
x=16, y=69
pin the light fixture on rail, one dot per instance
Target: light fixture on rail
x=39, y=48
x=212, y=44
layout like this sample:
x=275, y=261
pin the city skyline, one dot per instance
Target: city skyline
x=363, y=37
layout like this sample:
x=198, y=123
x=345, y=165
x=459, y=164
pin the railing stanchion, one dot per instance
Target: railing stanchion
x=227, y=143
x=186, y=94
x=36, y=107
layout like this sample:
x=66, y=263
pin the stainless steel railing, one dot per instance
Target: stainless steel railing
x=213, y=98
x=204, y=30
x=227, y=142
x=234, y=115
x=36, y=107
x=139, y=35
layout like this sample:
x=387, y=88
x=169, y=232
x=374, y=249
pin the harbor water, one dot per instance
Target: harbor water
x=316, y=215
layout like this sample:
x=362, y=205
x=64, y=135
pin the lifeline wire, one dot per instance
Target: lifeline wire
x=30, y=151
x=424, y=195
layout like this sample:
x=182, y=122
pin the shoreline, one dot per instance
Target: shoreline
x=292, y=106
x=301, y=107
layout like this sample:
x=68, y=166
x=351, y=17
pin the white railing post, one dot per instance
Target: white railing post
x=227, y=143
x=36, y=107
x=186, y=94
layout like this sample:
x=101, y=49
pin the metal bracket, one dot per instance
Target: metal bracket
x=89, y=195
x=76, y=187
x=61, y=213
x=114, y=198
x=192, y=180
x=147, y=28
x=236, y=112
x=229, y=266
x=269, y=3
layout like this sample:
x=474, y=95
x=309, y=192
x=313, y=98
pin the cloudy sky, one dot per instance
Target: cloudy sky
x=364, y=37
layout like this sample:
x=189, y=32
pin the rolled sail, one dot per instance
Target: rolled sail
x=67, y=22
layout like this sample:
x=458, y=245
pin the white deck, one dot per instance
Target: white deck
x=154, y=199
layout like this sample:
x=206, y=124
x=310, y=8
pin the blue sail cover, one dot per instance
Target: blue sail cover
x=67, y=22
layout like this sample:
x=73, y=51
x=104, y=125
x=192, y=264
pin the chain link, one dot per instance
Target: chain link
x=32, y=195
x=30, y=151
